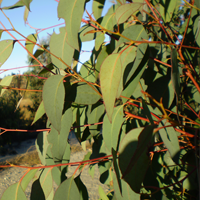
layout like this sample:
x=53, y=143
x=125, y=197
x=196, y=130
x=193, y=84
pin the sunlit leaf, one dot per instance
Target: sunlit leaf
x=6, y=47
x=20, y=3
x=42, y=144
x=71, y=12
x=97, y=8
x=82, y=93
x=31, y=44
x=53, y=98
x=14, y=192
x=111, y=131
x=5, y=82
x=84, y=35
x=126, y=10
x=110, y=76
x=26, y=180
x=1, y=31
x=102, y=194
x=170, y=139
x=61, y=48
x=68, y=190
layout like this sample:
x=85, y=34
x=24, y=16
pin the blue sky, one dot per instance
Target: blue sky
x=43, y=14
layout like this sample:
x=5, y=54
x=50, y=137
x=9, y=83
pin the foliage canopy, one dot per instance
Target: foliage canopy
x=137, y=99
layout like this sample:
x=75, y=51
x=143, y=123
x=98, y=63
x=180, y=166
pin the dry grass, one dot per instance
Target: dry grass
x=32, y=158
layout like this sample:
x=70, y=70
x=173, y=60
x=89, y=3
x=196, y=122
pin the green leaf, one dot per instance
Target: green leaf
x=39, y=113
x=175, y=75
x=167, y=9
x=44, y=70
x=82, y=93
x=110, y=76
x=105, y=51
x=68, y=190
x=29, y=45
x=6, y=47
x=66, y=123
x=5, y=82
x=196, y=30
x=14, y=192
x=147, y=112
x=46, y=181
x=84, y=36
x=71, y=12
x=133, y=156
x=97, y=8
x=81, y=187
x=102, y=194
x=26, y=180
x=60, y=47
x=170, y=139
x=95, y=117
x=126, y=10
x=1, y=31
x=99, y=40
x=26, y=12
x=87, y=72
x=42, y=144
x=128, y=193
x=53, y=98
x=20, y=3
x=111, y=131
x=58, y=141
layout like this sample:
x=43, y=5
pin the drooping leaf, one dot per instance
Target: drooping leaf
x=111, y=131
x=196, y=30
x=30, y=45
x=87, y=72
x=46, y=182
x=26, y=12
x=59, y=141
x=81, y=187
x=97, y=8
x=14, y=192
x=128, y=193
x=42, y=144
x=82, y=93
x=1, y=31
x=68, y=190
x=45, y=70
x=147, y=112
x=175, y=75
x=20, y=3
x=167, y=9
x=71, y=12
x=102, y=194
x=99, y=40
x=5, y=82
x=126, y=10
x=6, y=47
x=26, y=180
x=84, y=35
x=94, y=117
x=170, y=139
x=53, y=98
x=105, y=51
x=60, y=47
x=133, y=157
x=110, y=76
x=39, y=113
